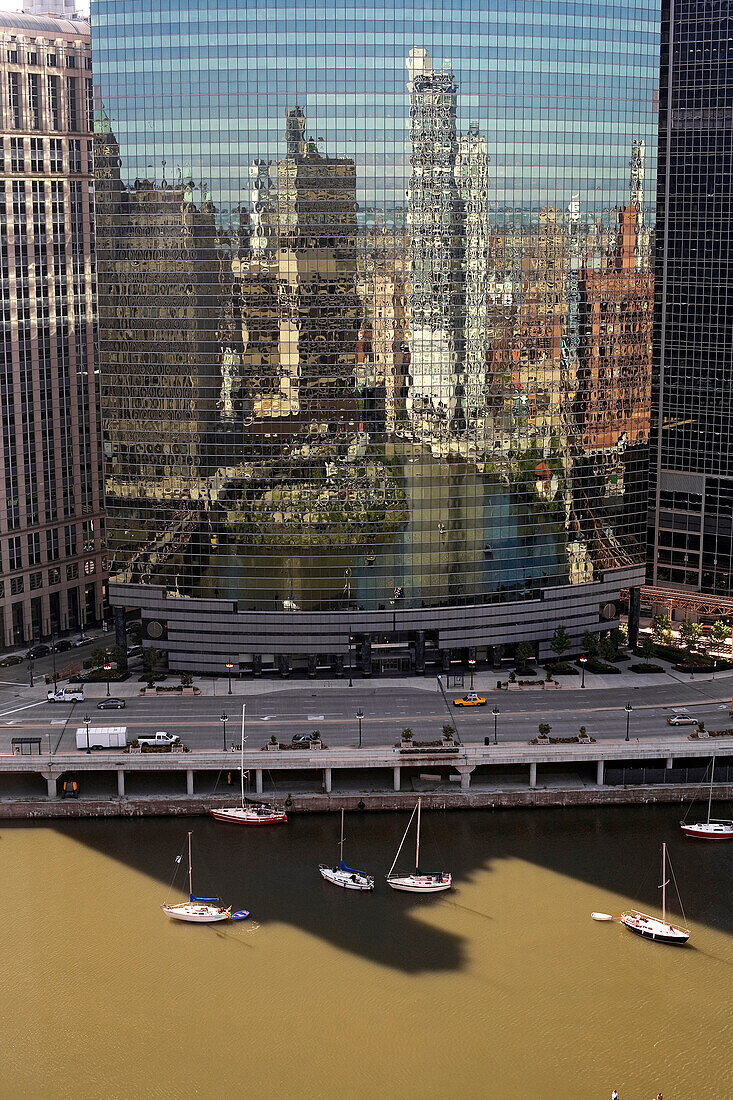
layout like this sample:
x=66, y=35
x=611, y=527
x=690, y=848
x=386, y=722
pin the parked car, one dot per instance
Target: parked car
x=135, y=651
x=470, y=700
x=81, y=640
x=301, y=739
x=69, y=694
x=111, y=704
x=13, y=659
x=681, y=718
x=160, y=742
x=61, y=646
x=37, y=651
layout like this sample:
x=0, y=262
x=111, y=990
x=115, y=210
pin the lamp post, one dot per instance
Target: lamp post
x=472, y=666
x=351, y=674
x=86, y=720
x=30, y=670
x=715, y=665
x=359, y=715
x=53, y=661
x=582, y=670
x=224, y=718
x=107, y=669
x=628, y=708
x=229, y=666
x=496, y=712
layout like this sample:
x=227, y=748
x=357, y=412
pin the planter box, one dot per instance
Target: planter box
x=272, y=748
x=547, y=684
x=316, y=745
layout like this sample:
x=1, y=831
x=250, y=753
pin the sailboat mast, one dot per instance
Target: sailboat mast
x=417, y=842
x=241, y=756
x=341, y=845
x=190, y=887
x=710, y=796
x=664, y=883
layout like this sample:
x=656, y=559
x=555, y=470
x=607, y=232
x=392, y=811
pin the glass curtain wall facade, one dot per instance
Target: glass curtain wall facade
x=375, y=321
x=693, y=453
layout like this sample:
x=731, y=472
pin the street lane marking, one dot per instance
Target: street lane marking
x=14, y=710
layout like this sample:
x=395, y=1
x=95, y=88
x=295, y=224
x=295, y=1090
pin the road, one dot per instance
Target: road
x=387, y=710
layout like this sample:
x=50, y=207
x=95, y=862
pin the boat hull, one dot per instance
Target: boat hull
x=651, y=928
x=708, y=831
x=196, y=914
x=347, y=880
x=237, y=816
x=421, y=884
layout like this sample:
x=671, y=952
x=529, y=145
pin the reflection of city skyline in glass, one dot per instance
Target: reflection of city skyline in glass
x=375, y=327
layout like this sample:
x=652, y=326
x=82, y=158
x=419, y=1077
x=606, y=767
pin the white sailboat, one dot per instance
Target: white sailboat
x=418, y=882
x=652, y=928
x=345, y=876
x=248, y=813
x=715, y=828
x=197, y=910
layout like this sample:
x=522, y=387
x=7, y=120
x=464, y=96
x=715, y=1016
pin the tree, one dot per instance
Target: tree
x=589, y=643
x=117, y=654
x=690, y=633
x=186, y=680
x=619, y=636
x=719, y=632
x=648, y=649
x=525, y=654
x=560, y=641
x=98, y=657
x=544, y=729
x=152, y=657
x=608, y=650
x=662, y=629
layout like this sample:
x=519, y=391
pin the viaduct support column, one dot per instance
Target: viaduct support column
x=599, y=773
x=397, y=770
x=258, y=780
x=51, y=782
x=189, y=781
x=121, y=782
x=327, y=780
x=533, y=775
x=465, y=774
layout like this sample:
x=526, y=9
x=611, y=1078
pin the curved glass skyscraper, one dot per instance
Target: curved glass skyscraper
x=375, y=293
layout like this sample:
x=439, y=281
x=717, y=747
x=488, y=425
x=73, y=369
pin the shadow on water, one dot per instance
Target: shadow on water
x=273, y=872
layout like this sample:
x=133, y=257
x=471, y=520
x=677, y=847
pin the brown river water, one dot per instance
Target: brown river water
x=503, y=988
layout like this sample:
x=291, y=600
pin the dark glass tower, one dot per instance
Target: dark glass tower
x=375, y=323
x=692, y=455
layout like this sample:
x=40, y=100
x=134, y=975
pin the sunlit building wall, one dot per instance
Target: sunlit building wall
x=52, y=575
x=373, y=333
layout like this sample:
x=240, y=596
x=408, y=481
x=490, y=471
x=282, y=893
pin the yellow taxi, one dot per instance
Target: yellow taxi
x=470, y=700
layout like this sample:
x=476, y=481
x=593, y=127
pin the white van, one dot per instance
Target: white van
x=67, y=695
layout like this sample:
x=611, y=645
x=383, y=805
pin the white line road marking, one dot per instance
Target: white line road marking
x=14, y=710
x=316, y=717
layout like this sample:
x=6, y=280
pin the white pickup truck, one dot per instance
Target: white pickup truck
x=160, y=741
x=66, y=695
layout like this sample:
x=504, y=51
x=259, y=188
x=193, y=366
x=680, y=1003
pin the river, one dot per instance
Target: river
x=503, y=988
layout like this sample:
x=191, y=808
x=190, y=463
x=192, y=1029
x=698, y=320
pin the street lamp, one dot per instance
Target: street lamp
x=582, y=670
x=351, y=674
x=472, y=666
x=628, y=708
x=30, y=670
x=86, y=720
x=53, y=661
x=229, y=666
x=496, y=712
x=108, y=669
x=224, y=718
x=359, y=715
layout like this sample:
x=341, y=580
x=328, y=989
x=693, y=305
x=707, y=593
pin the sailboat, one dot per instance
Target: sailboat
x=715, y=828
x=342, y=875
x=652, y=928
x=418, y=882
x=197, y=910
x=248, y=813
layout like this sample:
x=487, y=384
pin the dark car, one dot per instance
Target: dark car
x=135, y=651
x=301, y=739
x=13, y=659
x=111, y=704
x=61, y=647
x=37, y=651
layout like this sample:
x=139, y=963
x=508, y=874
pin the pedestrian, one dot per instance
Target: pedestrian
x=614, y=1095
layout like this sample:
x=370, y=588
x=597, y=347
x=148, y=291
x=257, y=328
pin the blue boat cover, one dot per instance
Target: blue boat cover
x=351, y=869
x=205, y=901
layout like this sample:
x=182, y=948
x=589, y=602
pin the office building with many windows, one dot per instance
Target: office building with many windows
x=375, y=322
x=691, y=542
x=50, y=477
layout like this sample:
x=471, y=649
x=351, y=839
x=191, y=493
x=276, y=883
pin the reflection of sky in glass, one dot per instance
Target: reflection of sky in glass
x=559, y=94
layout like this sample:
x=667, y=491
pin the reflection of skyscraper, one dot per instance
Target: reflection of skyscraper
x=51, y=575
x=435, y=299
x=401, y=456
